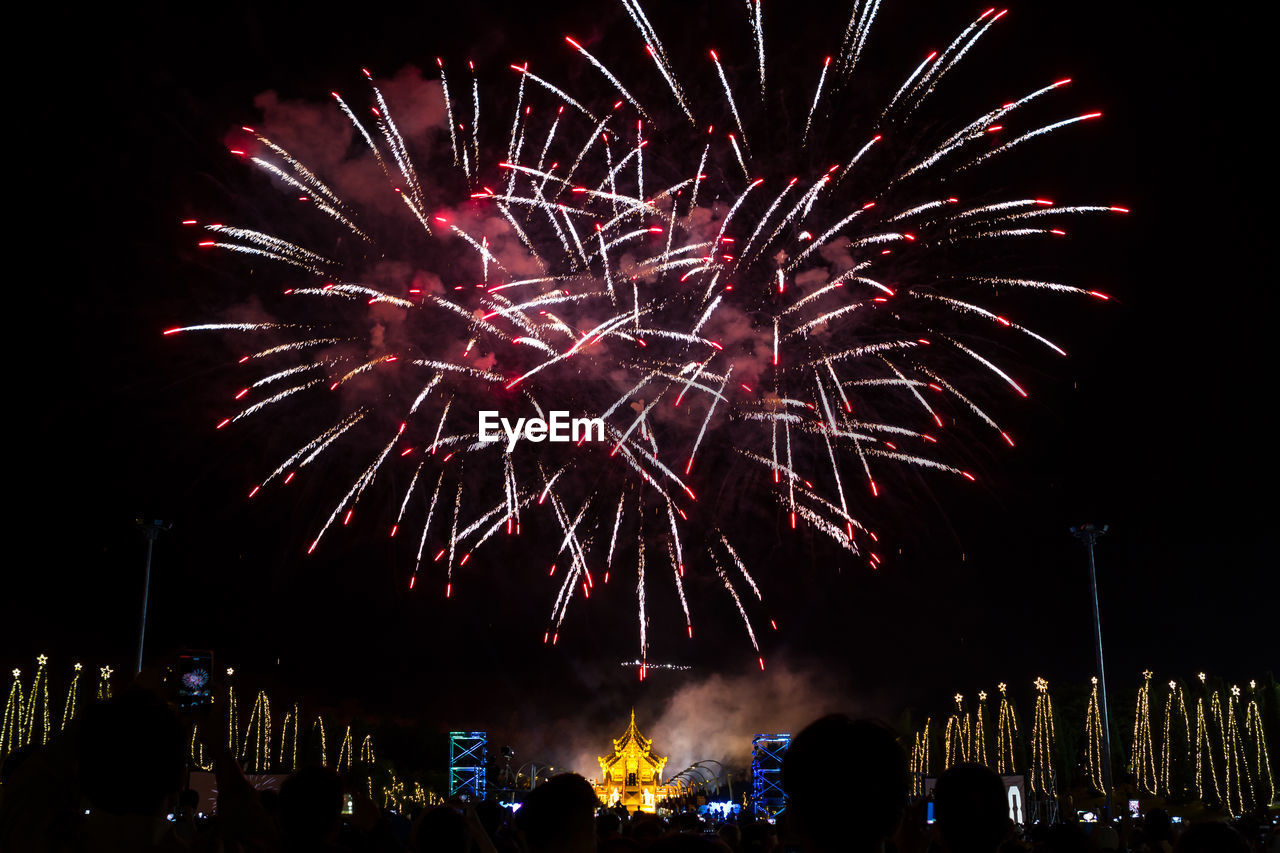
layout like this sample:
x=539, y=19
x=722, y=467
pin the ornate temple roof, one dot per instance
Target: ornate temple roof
x=632, y=744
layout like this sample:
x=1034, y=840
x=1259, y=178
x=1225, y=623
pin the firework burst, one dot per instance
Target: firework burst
x=698, y=288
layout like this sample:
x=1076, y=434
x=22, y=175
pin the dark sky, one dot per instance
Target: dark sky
x=1155, y=425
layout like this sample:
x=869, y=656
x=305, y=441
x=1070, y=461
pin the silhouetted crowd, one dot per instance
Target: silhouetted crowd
x=117, y=785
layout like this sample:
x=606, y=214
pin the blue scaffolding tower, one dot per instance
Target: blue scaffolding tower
x=467, y=754
x=767, y=750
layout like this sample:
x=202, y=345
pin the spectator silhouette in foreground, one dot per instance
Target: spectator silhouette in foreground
x=131, y=763
x=311, y=809
x=847, y=783
x=558, y=816
x=1211, y=838
x=971, y=810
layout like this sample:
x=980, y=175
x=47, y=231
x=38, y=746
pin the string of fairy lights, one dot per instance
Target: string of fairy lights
x=264, y=744
x=1211, y=747
x=1094, y=740
x=1216, y=754
x=1143, y=753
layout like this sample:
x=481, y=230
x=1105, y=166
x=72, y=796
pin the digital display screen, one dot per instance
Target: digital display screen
x=194, y=677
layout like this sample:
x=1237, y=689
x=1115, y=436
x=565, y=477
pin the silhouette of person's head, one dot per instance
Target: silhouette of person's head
x=608, y=824
x=1211, y=838
x=1158, y=825
x=440, y=830
x=970, y=805
x=846, y=782
x=131, y=753
x=310, y=806
x=558, y=816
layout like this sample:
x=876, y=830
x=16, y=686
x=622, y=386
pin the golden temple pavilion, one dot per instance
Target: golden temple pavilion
x=632, y=773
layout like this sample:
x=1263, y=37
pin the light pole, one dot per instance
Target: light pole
x=1088, y=534
x=151, y=529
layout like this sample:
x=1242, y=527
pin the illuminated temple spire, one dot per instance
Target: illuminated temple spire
x=632, y=774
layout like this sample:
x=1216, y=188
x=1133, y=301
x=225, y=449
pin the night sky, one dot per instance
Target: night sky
x=1155, y=425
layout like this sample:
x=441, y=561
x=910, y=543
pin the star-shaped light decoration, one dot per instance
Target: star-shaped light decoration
x=1041, y=685
x=959, y=697
x=79, y=666
x=106, y=671
x=1094, y=681
x=1253, y=685
x=231, y=670
x=982, y=695
x=17, y=672
x=1202, y=677
x=1146, y=673
x=1235, y=690
x=1173, y=685
x=1002, y=687
x=42, y=659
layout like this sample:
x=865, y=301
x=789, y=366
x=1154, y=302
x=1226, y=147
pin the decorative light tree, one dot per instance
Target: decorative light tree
x=920, y=760
x=1240, y=795
x=1257, y=748
x=37, y=727
x=956, y=735
x=1207, y=788
x=103, y=691
x=318, y=727
x=1093, y=740
x=1143, y=754
x=257, y=739
x=346, y=752
x=1006, y=733
x=233, y=715
x=13, y=735
x=72, y=706
x=978, y=751
x=1177, y=767
x=289, y=739
x=1043, y=744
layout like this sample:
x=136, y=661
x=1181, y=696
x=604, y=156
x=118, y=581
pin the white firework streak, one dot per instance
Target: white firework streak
x=617, y=84
x=613, y=537
x=758, y=25
x=984, y=362
x=288, y=392
x=317, y=444
x=448, y=110
x=229, y=327
x=555, y=90
x=923, y=85
x=763, y=219
x=914, y=391
x=408, y=493
x=264, y=253
x=983, y=312
x=295, y=346
x=356, y=488
x=702, y=431
x=939, y=70
x=697, y=179
x=973, y=407
x=422, y=395
x=817, y=96
x=267, y=380
x=330, y=210
x=676, y=568
x=822, y=241
x=644, y=640
x=728, y=94
x=364, y=133
x=1033, y=284
x=1040, y=131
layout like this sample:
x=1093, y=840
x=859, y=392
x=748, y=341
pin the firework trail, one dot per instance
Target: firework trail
x=807, y=328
